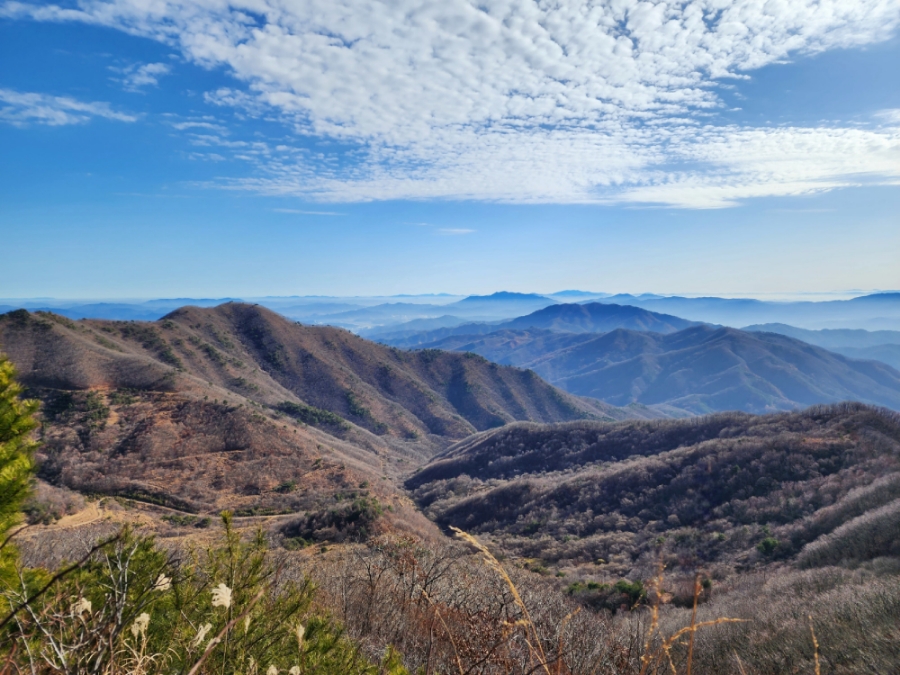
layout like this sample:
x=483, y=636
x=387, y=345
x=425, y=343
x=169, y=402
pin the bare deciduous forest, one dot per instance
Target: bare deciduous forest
x=725, y=543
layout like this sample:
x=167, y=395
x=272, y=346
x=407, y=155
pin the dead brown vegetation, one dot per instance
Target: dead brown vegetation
x=726, y=492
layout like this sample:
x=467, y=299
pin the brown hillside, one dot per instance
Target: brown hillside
x=387, y=391
x=236, y=407
x=124, y=415
x=725, y=492
x=261, y=356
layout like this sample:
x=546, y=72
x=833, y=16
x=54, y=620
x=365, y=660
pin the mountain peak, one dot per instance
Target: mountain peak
x=597, y=317
x=888, y=296
x=506, y=296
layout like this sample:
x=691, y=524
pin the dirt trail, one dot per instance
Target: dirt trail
x=87, y=515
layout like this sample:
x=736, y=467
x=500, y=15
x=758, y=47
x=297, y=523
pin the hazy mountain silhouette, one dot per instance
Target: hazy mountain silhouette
x=573, y=318
x=494, y=307
x=701, y=369
x=879, y=310
x=880, y=345
x=597, y=318
x=410, y=328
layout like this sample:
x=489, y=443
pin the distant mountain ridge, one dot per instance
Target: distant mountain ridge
x=564, y=317
x=597, y=318
x=494, y=307
x=872, y=312
x=879, y=345
x=699, y=370
x=503, y=296
x=875, y=311
x=831, y=338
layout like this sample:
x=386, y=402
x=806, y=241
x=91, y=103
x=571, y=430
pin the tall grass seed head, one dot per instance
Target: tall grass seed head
x=221, y=596
x=201, y=634
x=81, y=607
x=139, y=627
x=163, y=583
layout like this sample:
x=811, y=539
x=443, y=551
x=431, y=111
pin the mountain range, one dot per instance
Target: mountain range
x=564, y=317
x=878, y=345
x=236, y=406
x=377, y=314
x=873, y=312
x=622, y=355
x=318, y=436
x=720, y=493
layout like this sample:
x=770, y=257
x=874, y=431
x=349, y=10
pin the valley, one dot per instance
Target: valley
x=353, y=337
x=724, y=493
x=624, y=355
x=349, y=453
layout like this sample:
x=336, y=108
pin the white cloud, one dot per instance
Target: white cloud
x=515, y=100
x=454, y=230
x=135, y=77
x=889, y=116
x=26, y=108
x=687, y=166
x=746, y=163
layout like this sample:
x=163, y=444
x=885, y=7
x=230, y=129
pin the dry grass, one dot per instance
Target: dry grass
x=812, y=631
x=533, y=639
x=651, y=658
x=463, y=630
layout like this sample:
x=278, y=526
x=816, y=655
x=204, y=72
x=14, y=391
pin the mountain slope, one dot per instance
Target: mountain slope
x=702, y=369
x=122, y=416
x=877, y=345
x=570, y=318
x=511, y=347
x=703, y=492
x=259, y=355
x=879, y=310
x=889, y=354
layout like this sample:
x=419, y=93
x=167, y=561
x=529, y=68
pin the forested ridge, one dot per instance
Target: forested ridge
x=727, y=491
x=592, y=523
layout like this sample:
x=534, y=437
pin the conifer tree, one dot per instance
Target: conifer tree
x=16, y=448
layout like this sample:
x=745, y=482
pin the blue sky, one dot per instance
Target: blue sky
x=270, y=147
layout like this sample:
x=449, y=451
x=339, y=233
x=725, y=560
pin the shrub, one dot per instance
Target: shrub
x=355, y=521
x=313, y=416
x=132, y=608
x=876, y=533
x=767, y=546
x=16, y=449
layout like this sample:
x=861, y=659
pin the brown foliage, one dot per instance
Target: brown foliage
x=704, y=491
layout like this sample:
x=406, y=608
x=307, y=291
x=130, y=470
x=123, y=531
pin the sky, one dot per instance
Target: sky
x=213, y=148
